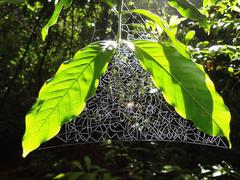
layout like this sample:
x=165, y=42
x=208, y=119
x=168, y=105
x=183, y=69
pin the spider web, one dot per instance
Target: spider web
x=127, y=106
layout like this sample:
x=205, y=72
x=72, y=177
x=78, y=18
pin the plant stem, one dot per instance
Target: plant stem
x=120, y=21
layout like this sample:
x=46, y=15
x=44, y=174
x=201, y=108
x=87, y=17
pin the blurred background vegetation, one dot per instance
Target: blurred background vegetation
x=26, y=62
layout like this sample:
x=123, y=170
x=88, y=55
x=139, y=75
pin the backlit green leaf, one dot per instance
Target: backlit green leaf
x=174, y=23
x=209, y=2
x=64, y=96
x=170, y=33
x=189, y=36
x=185, y=86
x=188, y=10
x=54, y=17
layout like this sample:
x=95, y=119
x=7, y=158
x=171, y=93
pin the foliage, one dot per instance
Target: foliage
x=27, y=61
x=64, y=96
x=12, y=1
x=173, y=73
x=135, y=161
x=54, y=17
x=224, y=22
x=188, y=10
x=218, y=52
x=111, y=3
x=209, y=2
x=180, y=47
x=76, y=81
x=86, y=171
x=132, y=160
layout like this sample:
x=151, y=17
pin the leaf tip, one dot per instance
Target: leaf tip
x=28, y=145
x=26, y=150
x=25, y=153
x=44, y=33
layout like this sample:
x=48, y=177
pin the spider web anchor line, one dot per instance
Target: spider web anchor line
x=127, y=106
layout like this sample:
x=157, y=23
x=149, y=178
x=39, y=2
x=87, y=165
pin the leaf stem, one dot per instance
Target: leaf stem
x=120, y=21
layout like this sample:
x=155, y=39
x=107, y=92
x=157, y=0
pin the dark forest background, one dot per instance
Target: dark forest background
x=26, y=62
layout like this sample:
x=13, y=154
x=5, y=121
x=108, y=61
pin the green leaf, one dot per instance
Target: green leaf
x=188, y=10
x=209, y=2
x=185, y=86
x=69, y=176
x=111, y=3
x=174, y=22
x=170, y=33
x=189, y=36
x=64, y=96
x=88, y=162
x=53, y=20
